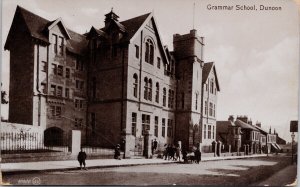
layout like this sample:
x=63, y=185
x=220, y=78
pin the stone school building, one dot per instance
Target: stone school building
x=116, y=83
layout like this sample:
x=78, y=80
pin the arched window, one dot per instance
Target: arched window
x=135, y=85
x=146, y=88
x=164, y=96
x=157, y=93
x=196, y=102
x=149, y=52
x=150, y=90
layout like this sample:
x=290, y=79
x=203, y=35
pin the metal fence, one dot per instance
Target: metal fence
x=25, y=142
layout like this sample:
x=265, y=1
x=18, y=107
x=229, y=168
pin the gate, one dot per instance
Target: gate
x=139, y=146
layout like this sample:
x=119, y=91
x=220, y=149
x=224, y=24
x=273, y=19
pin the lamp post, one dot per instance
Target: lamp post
x=293, y=136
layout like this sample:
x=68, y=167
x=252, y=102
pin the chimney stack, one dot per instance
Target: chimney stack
x=231, y=118
x=243, y=118
x=258, y=124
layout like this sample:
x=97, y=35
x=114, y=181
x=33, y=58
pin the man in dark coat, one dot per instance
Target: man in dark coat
x=117, y=152
x=197, y=155
x=81, y=158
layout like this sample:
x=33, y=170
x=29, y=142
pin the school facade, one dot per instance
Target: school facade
x=113, y=83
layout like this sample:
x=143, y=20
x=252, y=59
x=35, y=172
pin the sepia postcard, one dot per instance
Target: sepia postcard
x=140, y=92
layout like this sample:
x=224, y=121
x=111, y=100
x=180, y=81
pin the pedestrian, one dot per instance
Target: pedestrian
x=81, y=158
x=165, y=151
x=178, y=153
x=184, y=156
x=117, y=152
x=197, y=155
x=155, y=145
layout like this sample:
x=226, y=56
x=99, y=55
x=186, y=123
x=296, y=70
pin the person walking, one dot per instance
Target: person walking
x=117, y=152
x=197, y=155
x=81, y=158
x=178, y=152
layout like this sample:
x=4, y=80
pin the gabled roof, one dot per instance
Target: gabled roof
x=132, y=25
x=244, y=125
x=207, y=68
x=222, y=126
x=59, y=20
x=37, y=27
x=261, y=130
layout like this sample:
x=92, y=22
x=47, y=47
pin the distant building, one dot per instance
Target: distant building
x=242, y=135
x=113, y=83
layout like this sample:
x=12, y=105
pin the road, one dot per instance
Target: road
x=226, y=172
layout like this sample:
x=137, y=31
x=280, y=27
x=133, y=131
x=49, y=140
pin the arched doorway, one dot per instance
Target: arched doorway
x=53, y=136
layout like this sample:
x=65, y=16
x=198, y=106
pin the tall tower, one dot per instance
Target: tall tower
x=188, y=50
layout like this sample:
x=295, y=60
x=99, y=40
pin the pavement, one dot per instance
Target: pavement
x=24, y=167
x=284, y=177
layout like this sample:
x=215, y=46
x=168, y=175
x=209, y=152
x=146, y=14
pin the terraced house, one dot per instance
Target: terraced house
x=119, y=82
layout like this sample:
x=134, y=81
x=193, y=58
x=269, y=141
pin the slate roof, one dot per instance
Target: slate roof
x=244, y=125
x=222, y=126
x=37, y=28
x=207, y=67
x=132, y=25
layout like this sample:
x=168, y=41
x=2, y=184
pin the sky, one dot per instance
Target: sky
x=256, y=53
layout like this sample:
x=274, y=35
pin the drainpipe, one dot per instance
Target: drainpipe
x=37, y=85
x=141, y=65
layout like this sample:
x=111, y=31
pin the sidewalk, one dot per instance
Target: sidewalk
x=284, y=177
x=23, y=167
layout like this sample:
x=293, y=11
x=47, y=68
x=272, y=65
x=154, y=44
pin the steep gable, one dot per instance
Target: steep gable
x=37, y=27
x=207, y=68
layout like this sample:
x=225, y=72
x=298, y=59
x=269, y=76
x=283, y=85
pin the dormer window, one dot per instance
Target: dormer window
x=149, y=53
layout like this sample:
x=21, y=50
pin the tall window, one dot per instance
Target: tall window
x=137, y=51
x=68, y=73
x=145, y=123
x=53, y=90
x=164, y=96
x=182, y=100
x=149, y=53
x=205, y=105
x=213, y=132
x=44, y=66
x=54, y=38
x=67, y=92
x=204, y=135
x=61, y=45
x=170, y=128
x=59, y=91
x=54, y=69
x=212, y=86
x=214, y=110
x=209, y=132
x=210, y=109
x=157, y=93
x=158, y=62
x=146, y=88
x=196, y=102
x=43, y=88
x=133, y=124
x=150, y=90
x=163, y=130
x=79, y=64
x=156, y=126
x=58, y=111
x=60, y=70
x=55, y=111
x=169, y=99
x=135, y=85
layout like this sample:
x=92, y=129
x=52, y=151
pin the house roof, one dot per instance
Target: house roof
x=261, y=130
x=207, y=68
x=244, y=125
x=132, y=25
x=37, y=28
x=222, y=126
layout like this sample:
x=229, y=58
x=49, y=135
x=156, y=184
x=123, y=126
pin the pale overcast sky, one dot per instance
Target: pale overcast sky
x=256, y=52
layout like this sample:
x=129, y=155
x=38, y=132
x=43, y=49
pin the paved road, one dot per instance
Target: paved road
x=229, y=172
